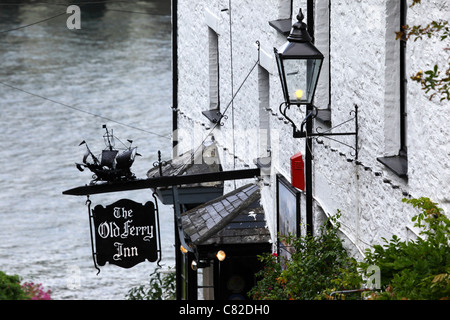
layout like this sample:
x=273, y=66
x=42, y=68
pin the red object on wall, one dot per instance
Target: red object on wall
x=298, y=171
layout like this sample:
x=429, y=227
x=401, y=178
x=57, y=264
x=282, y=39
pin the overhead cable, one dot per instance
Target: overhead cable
x=34, y=23
x=85, y=111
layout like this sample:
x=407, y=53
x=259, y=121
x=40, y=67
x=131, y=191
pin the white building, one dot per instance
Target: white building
x=225, y=63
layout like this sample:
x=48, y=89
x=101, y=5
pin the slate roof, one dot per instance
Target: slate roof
x=235, y=218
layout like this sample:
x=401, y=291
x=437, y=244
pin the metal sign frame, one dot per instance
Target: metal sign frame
x=128, y=211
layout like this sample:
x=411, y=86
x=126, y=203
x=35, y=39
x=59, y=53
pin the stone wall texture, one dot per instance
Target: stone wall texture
x=361, y=68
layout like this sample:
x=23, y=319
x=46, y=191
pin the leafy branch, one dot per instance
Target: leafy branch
x=160, y=287
x=434, y=80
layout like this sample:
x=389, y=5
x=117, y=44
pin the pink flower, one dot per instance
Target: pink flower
x=35, y=291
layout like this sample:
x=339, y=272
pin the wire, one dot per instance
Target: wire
x=34, y=23
x=87, y=3
x=58, y=102
x=140, y=12
x=223, y=114
x=64, y=13
x=63, y=3
x=84, y=111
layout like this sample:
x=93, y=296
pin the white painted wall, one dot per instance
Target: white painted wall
x=364, y=68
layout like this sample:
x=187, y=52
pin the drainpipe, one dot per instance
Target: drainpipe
x=178, y=261
x=174, y=78
x=308, y=141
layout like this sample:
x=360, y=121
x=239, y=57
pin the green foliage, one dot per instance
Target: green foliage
x=416, y=269
x=318, y=263
x=161, y=287
x=10, y=288
x=270, y=285
x=436, y=81
x=434, y=28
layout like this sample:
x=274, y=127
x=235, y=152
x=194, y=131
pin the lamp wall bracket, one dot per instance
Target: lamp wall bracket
x=302, y=133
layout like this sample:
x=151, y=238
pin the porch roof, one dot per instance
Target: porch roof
x=235, y=218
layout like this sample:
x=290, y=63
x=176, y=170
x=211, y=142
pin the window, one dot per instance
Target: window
x=395, y=118
x=213, y=114
x=263, y=160
x=264, y=107
x=322, y=98
x=213, y=69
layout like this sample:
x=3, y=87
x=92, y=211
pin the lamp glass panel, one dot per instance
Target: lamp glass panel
x=281, y=73
x=301, y=79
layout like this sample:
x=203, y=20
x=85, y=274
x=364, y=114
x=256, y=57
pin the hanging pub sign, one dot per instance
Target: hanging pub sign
x=126, y=233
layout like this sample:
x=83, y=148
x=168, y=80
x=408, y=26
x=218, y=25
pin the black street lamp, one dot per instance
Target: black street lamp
x=299, y=63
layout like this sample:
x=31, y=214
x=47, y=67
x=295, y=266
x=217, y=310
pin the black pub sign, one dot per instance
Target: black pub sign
x=125, y=233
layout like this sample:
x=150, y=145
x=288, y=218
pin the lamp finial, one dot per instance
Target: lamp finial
x=299, y=32
x=300, y=15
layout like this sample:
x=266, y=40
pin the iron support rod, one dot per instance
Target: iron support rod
x=308, y=169
x=164, y=181
x=323, y=134
x=356, y=132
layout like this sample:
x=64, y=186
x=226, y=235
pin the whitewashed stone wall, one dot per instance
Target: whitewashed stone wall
x=364, y=67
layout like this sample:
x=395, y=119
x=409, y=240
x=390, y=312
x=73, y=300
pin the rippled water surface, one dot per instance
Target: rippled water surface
x=58, y=87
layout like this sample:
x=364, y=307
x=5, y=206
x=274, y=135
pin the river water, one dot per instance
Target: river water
x=58, y=87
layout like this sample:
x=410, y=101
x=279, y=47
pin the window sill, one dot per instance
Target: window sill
x=283, y=25
x=263, y=162
x=398, y=164
x=213, y=115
